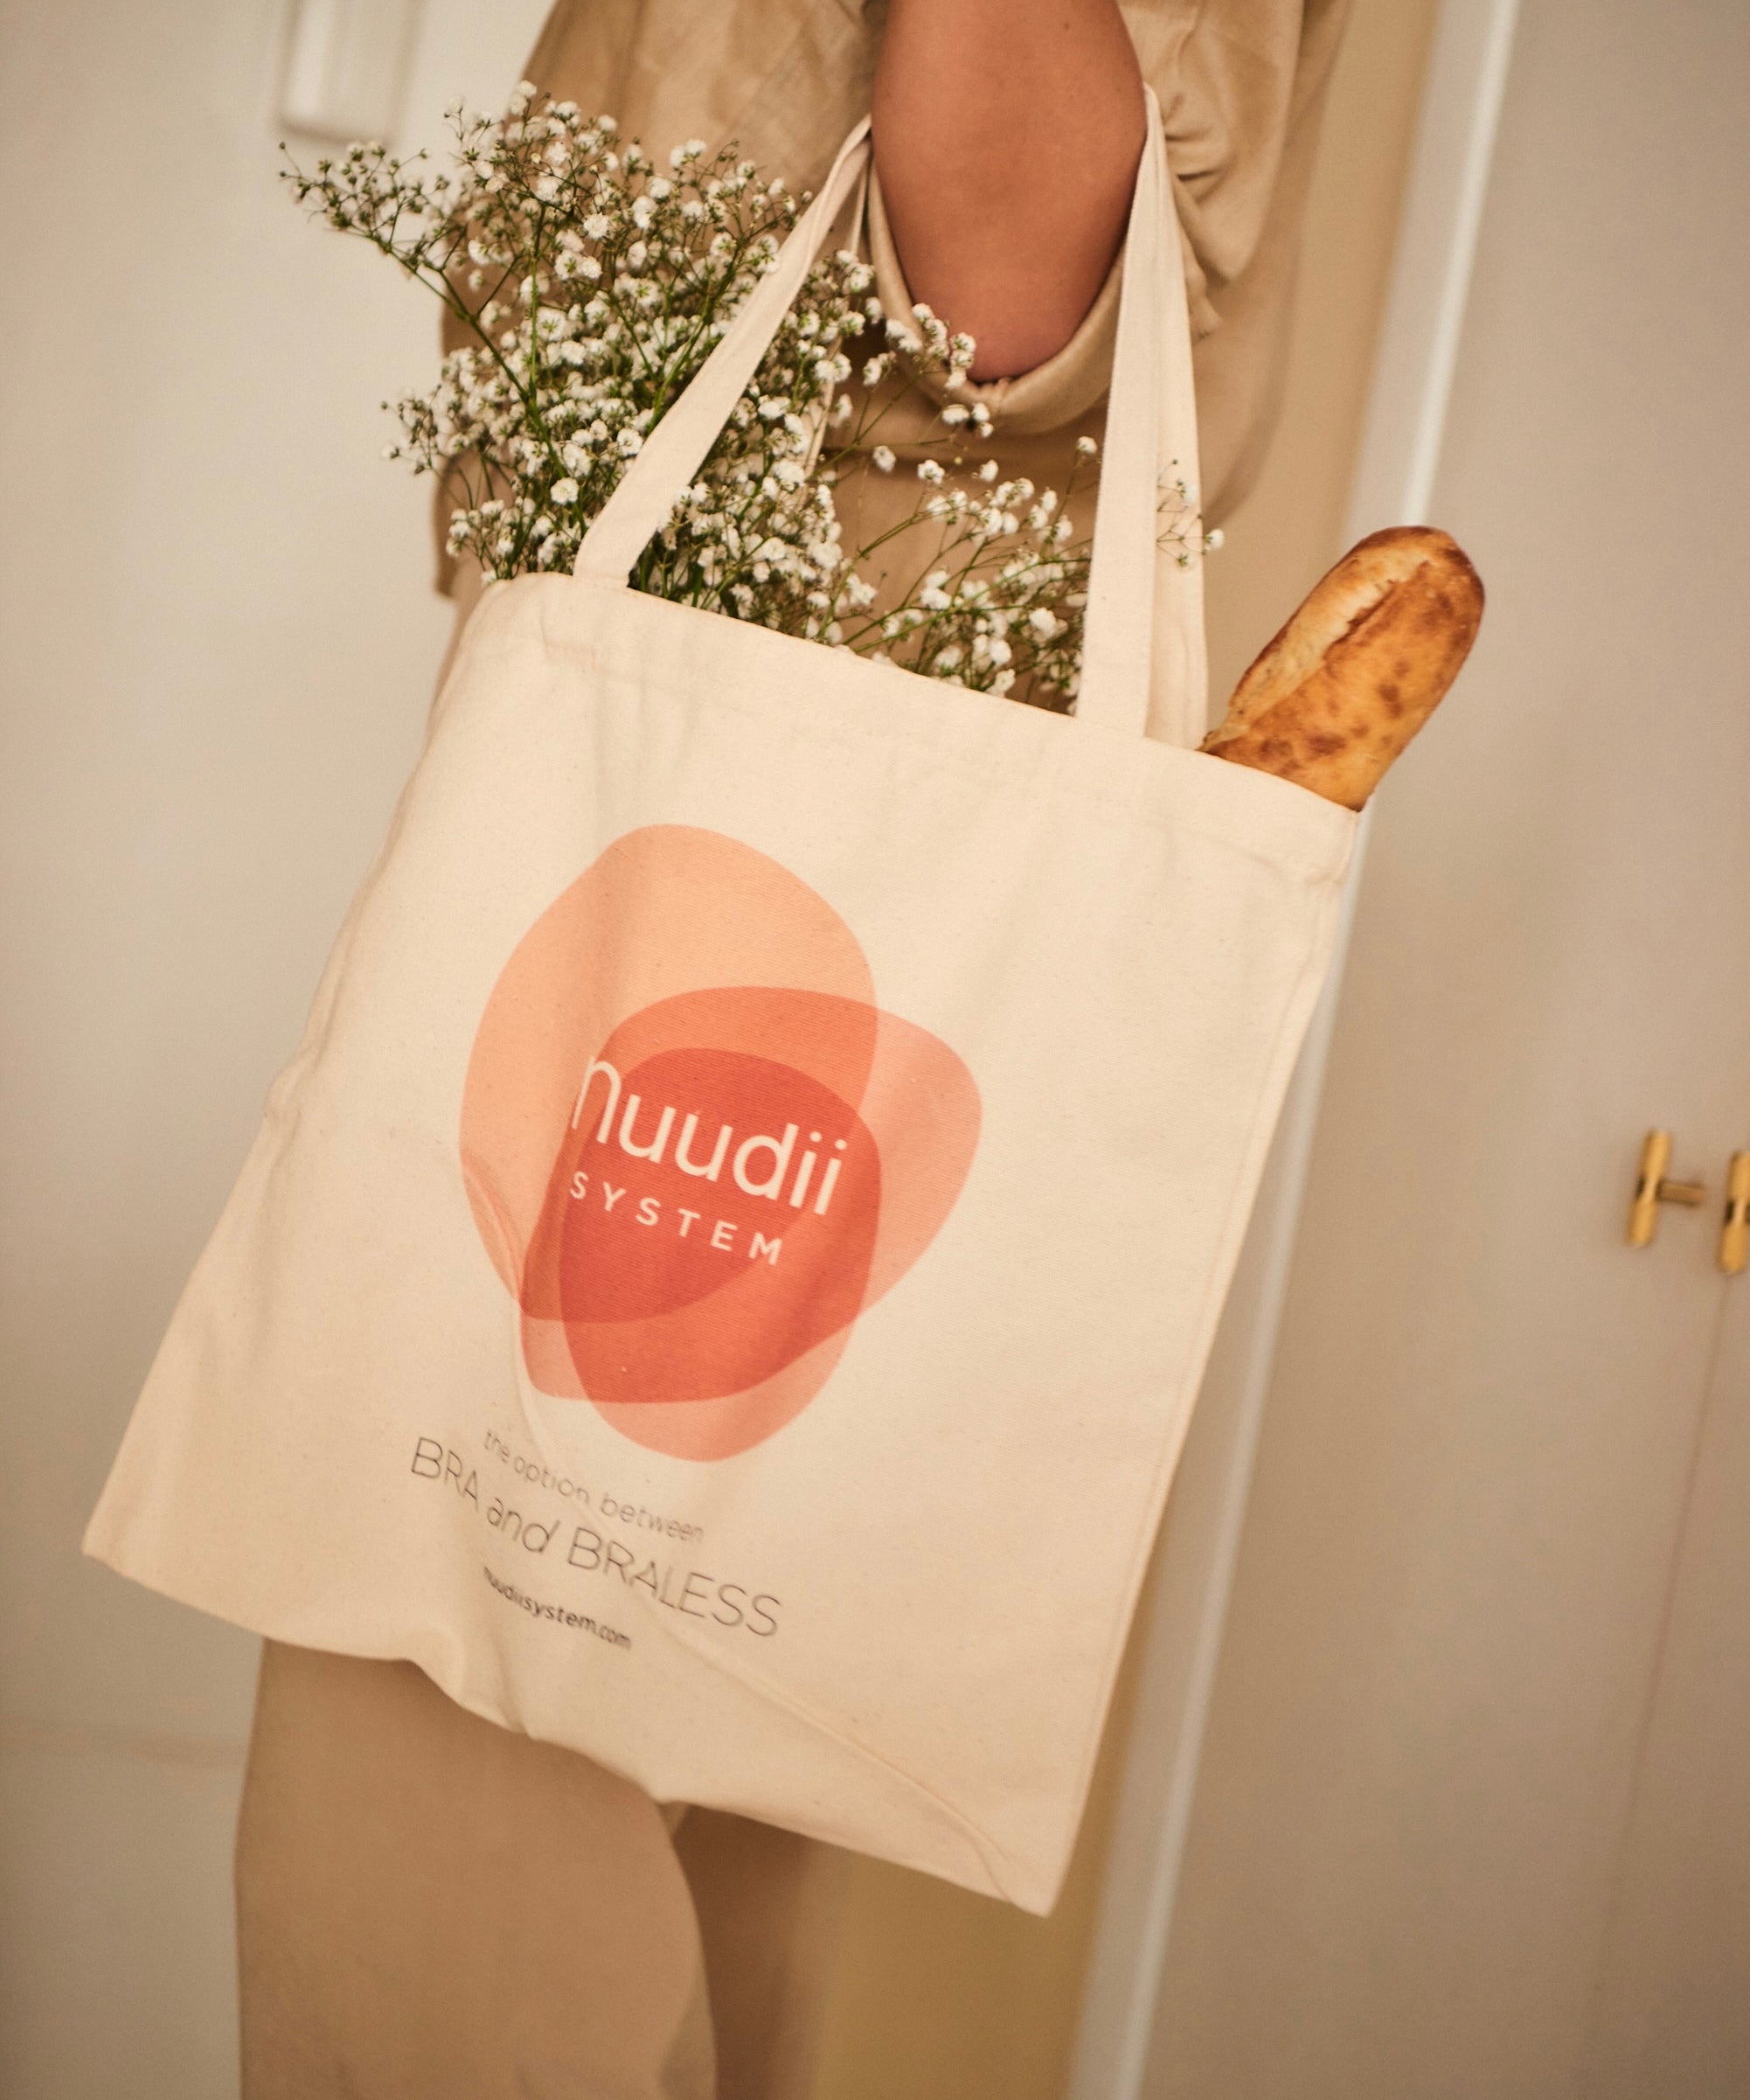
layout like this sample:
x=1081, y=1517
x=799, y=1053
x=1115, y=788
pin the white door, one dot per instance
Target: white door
x=1473, y=1817
x=1673, y=2003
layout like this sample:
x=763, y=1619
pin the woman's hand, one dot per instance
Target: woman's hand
x=1007, y=134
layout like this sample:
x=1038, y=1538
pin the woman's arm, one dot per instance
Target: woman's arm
x=1007, y=134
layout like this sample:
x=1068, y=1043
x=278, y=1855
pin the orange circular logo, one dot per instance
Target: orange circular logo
x=695, y=1147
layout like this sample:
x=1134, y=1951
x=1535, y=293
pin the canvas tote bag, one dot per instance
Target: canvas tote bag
x=722, y=1282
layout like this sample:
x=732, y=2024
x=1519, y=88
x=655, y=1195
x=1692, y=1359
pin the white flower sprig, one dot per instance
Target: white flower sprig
x=594, y=286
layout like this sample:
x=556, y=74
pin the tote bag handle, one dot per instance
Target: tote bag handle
x=1145, y=599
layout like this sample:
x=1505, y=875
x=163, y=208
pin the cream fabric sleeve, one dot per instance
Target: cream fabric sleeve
x=1242, y=85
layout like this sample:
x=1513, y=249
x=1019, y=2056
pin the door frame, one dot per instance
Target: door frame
x=1185, y=1606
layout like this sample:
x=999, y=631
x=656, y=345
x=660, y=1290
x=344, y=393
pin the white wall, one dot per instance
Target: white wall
x=219, y=642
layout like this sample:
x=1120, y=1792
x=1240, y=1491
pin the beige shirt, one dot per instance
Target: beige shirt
x=1241, y=85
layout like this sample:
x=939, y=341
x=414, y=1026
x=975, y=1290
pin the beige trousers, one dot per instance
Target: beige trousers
x=430, y=1908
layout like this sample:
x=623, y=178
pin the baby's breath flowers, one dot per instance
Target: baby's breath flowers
x=594, y=286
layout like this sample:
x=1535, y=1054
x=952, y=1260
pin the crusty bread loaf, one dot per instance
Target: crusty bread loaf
x=1348, y=682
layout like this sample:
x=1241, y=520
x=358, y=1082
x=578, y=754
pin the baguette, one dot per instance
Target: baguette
x=1336, y=695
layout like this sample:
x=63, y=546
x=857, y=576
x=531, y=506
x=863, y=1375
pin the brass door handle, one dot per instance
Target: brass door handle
x=1734, y=1227
x=1653, y=1187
